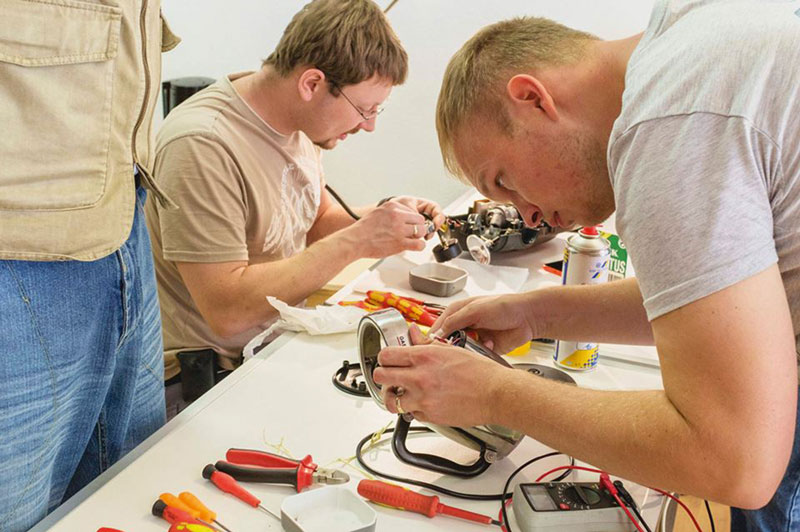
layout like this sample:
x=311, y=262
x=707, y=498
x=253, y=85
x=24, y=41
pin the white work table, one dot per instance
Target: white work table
x=285, y=395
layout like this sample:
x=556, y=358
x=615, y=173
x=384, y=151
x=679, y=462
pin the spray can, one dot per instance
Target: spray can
x=585, y=262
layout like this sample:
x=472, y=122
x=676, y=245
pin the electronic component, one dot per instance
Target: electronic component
x=568, y=507
x=489, y=227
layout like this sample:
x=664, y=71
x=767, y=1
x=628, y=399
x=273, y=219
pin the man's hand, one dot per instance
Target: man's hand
x=503, y=323
x=442, y=384
x=391, y=228
x=423, y=206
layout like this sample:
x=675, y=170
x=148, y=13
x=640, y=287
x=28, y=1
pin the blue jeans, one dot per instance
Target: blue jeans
x=783, y=511
x=81, y=372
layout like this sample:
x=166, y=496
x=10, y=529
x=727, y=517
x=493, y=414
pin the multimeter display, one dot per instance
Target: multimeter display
x=539, y=498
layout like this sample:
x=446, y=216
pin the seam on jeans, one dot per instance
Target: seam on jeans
x=40, y=337
x=123, y=285
x=153, y=372
x=102, y=441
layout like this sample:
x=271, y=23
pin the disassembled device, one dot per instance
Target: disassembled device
x=488, y=227
x=492, y=442
x=568, y=507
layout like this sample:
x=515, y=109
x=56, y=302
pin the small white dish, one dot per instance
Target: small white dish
x=327, y=509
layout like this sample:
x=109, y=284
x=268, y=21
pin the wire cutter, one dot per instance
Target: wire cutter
x=247, y=465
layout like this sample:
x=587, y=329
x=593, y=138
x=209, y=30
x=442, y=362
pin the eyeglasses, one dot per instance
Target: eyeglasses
x=366, y=116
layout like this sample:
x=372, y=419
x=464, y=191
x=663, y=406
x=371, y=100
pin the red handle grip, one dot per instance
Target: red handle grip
x=228, y=484
x=398, y=497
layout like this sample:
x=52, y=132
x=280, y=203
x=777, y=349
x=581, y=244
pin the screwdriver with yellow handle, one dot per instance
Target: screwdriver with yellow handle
x=405, y=499
x=190, y=504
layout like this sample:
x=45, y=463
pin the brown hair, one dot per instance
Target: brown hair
x=476, y=75
x=349, y=40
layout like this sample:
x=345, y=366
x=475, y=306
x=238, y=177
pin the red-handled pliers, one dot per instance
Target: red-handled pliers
x=247, y=465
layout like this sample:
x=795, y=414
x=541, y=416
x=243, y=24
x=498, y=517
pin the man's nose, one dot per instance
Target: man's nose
x=531, y=216
x=368, y=125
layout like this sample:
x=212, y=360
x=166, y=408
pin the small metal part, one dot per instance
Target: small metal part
x=330, y=476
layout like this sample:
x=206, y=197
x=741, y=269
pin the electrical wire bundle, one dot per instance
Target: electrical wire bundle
x=615, y=488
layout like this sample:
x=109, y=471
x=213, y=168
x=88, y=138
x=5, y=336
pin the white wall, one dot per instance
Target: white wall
x=402, y=155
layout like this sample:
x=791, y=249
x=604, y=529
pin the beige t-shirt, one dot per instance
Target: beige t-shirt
x=245, y=192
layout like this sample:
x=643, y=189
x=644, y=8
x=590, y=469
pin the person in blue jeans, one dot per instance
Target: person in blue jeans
x=82, y=372
x=80, y=331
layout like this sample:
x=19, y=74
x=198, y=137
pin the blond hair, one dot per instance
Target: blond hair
x=349, y=40
x=475, y=78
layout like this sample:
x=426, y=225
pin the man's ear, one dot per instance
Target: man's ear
x=310, y=82
x=526, y=90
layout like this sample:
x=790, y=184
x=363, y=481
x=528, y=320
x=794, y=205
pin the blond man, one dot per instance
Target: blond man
x=690, y=132
x=242, y=160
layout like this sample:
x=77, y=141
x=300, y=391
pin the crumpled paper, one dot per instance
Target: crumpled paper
x=320, y=320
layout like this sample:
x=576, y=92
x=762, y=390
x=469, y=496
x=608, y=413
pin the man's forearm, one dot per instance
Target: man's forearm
x=638, y=435
x=290, y=280
x=332, y=220
x=610, y=312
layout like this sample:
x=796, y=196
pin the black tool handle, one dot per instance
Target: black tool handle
x=259, y=474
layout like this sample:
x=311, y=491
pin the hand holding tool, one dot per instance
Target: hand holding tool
x=274, y=469
x=228, y=484
x=404, y=499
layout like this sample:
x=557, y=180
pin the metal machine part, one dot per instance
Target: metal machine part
x=492, y=442
x=349, y=379
x=491, y=227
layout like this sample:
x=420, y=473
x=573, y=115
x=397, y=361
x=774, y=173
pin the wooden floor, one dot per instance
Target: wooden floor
x=722, y=519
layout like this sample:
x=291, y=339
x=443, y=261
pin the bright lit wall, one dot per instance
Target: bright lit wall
x=402, y=155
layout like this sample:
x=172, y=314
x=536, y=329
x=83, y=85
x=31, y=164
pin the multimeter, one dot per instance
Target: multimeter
x=568, y=507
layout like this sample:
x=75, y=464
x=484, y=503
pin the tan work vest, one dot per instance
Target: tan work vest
x=78, y=87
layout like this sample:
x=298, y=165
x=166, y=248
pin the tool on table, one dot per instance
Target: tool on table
x=228, y=484
x=175, y=516
x=405, y=499
x=411, y=309
x=190, y=527
x=203, y=512
x=260, y=466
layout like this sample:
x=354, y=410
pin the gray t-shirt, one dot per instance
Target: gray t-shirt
x=705, y=155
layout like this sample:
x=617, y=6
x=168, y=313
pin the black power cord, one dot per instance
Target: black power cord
x=628, y=498
x=710, y=516
x=347, y=209
x=439, y=489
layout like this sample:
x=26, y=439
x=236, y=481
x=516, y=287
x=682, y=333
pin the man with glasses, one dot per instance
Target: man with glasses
x=242, y=161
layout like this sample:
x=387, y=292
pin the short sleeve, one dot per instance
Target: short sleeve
x=200, y=175
x=693, y=205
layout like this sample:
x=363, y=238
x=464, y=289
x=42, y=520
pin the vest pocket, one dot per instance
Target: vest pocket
x=56, y=88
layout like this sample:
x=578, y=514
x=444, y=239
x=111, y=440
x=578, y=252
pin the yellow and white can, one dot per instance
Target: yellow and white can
x=586, y=258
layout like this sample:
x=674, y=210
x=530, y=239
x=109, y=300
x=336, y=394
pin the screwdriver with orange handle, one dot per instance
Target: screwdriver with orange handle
x=408, y=307
x=190, y=504
x=228, y=484
x=405, y=499
x=176, y=516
